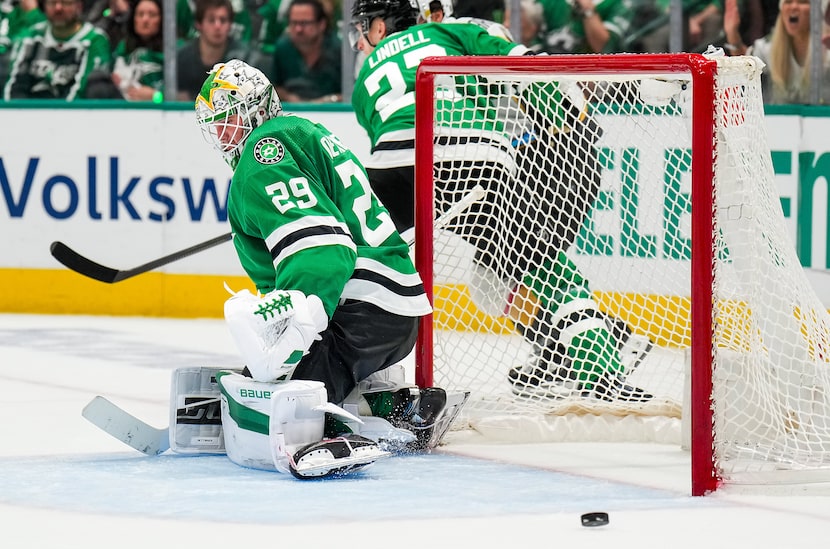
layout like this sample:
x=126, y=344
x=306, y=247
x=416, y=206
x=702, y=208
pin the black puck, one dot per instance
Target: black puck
x=594, y=519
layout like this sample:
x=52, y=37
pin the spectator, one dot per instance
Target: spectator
x=15, y=17
x=241, y=28
x=112, y=17
x=55, y=58
x=436, y=10
x=705, y=24
x=752, y=20
x=785, y=51
x=307, y=65
x=138, y=70
x=271, y=28
x=214, y=44
x=585, y=26
x=533, y=24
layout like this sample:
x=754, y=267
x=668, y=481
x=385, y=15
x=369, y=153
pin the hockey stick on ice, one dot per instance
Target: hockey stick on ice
x=85, y=266
x=125, y=427
x=129, y=429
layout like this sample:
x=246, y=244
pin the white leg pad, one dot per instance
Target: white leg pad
x=297, y=419
x=246, y=412
x=195, y=411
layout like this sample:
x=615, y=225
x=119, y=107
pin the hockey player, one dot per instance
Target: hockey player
x=338, y=297
x=550, y=302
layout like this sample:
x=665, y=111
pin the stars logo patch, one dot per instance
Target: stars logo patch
x=268, y=151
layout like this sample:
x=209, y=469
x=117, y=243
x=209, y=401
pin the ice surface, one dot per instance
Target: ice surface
x=64, y=483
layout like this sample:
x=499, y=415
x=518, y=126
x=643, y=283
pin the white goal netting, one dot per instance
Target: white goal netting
x=563, y=298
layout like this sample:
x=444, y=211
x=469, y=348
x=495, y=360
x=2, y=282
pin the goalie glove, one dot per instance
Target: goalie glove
x=274, y=331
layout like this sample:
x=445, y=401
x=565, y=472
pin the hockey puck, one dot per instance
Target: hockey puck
x=594, y=519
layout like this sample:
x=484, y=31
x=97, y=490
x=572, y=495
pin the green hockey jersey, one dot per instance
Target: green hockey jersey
x=304, y=218
x=43, y=67
x=384, y=93
x=142, y=66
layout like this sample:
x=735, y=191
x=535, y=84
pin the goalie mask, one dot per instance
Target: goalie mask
x=398, y=15
x=235, y=99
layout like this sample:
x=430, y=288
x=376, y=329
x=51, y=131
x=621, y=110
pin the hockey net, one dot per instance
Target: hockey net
x=682, y=245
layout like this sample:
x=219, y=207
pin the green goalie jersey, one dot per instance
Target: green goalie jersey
x=300, y=203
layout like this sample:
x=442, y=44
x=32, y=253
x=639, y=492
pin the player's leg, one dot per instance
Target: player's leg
x=280, y=426
x=575, y=344
x=574, y=351
x=361, y=343
x=361, y=339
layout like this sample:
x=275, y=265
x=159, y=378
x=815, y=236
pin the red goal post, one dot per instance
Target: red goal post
x=682, y=138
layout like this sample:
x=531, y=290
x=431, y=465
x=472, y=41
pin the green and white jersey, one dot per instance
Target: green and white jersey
x=14, y=21
x=43, y=67
x=566, y=32
x=142, y=66
x=304, y=218
x=384, y=93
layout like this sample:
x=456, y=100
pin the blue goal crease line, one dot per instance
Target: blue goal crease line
x=212, y=488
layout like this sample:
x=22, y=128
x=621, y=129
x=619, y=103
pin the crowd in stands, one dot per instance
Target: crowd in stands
x=113, y=49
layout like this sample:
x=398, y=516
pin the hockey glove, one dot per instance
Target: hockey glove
x=274, y=331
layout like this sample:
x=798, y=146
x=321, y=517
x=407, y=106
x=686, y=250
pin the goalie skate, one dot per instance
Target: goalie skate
x=436, y=412
x=335, y=457
x=424, y=414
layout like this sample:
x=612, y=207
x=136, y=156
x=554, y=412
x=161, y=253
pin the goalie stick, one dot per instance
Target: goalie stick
x=126, y=427
x=85, y=266
x=82, y=265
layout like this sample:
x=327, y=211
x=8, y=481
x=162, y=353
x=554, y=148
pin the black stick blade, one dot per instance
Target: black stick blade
x=82, y=265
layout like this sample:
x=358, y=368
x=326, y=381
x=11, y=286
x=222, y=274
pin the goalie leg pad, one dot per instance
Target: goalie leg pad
x=246, y=409
x=195, y=411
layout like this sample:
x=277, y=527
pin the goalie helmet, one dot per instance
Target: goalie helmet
x=397, y=14
x=235, y=99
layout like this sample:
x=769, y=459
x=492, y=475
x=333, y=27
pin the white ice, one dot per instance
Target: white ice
x=65, y=484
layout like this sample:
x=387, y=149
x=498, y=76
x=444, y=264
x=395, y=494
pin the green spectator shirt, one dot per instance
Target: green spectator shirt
x=289, y=70
x=43, y=67
x=566, y=32
x=142, y=66
x=272, y=26
x=14, y=21
x=384, y=93
x=300, y=202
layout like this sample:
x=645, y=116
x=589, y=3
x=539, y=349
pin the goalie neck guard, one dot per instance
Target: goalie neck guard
x=235, y=99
